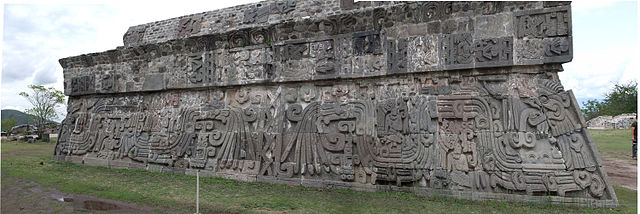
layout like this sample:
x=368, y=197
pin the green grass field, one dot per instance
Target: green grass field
x=177, y=192
x=614, y=143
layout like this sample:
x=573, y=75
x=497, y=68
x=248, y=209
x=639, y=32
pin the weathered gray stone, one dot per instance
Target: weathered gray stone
x=493, y=26
x=454, y=98
x=423, y=54
x=622, y=121
x=528, y=51
x=153, y=82
x=96, y=161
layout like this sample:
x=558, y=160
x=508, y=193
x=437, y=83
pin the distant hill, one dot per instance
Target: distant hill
x=21, y=117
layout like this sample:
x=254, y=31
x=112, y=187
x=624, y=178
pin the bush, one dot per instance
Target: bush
x=622, y=98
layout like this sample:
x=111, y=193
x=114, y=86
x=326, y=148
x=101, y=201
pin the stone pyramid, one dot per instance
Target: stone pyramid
x=449, y=98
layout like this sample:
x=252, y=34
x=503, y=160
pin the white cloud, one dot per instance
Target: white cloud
x=592, y=73
x=44, y=77
x=585, y=6
x=35, y=36
x=19, y=108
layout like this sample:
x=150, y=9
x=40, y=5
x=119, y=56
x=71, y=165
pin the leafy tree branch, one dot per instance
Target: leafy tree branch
x=44, y=101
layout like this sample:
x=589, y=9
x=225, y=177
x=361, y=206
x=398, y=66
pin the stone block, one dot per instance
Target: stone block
x=423, y=54
x=493, y=26
x=96, y=162
x=118, y=164
x=153, y=82
x=75, y=159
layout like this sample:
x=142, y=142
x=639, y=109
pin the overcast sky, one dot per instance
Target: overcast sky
x=35, y=36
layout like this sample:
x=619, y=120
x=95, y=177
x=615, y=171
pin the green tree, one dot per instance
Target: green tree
x=591, y=109
x=7, y=124
x=44, y=101
x=622, y=98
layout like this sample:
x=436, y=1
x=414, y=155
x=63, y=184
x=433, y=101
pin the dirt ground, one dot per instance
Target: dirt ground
x=621, y=172
x=21, y=196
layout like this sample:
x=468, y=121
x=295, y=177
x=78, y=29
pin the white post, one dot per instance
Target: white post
x=198, y=191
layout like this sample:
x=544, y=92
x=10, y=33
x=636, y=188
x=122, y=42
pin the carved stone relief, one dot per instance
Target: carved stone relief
x=109, y=82
x=324, y=54
x=528, y=51
x=423, y=53
x=456, y=50
x=189, y=26
x=203, y=68
x=346, y=99
x=365, y=43
x=284, y=7
x=544, y=23
x=494, y=52
x=82, y=84
x=397, y=51
x=557, y=49
x=256, y=15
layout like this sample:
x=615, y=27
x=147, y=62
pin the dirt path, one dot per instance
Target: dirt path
x=621, y=172
x=22, y=196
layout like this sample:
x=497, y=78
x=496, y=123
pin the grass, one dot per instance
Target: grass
x=614, y=143
x=626, y=196
x=177, y=192
x=51, y=140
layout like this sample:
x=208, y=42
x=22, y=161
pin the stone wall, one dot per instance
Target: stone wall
x=454, y=98
x=622, y=121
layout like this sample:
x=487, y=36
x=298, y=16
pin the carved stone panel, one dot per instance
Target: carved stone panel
x=369, y=65
x=557, y=49
x=365, y=43
x=82, y=85
x=430, y=11
x=203, y=69
x=397, y=51
x=460, y=98
x=423, y=53
x=247, y=65
x=544, y=23
x=494, y=52
x=189, y=26
x=256, y=15
x=528, y=51
x=109, y=83
x=284, y=7
x=457, y=50
x=323, y=53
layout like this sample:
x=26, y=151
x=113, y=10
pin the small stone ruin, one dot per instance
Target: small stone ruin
x=450, y=98
x=622, y=121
